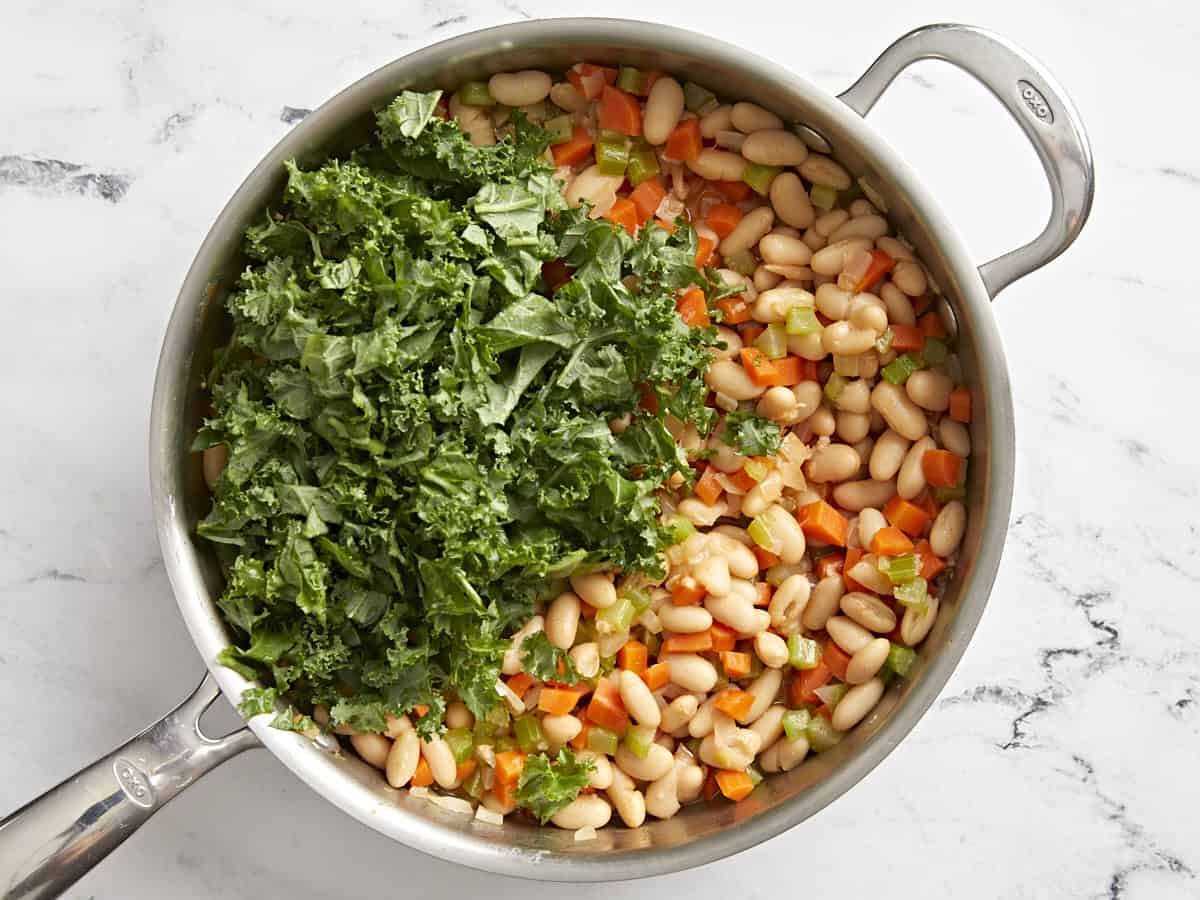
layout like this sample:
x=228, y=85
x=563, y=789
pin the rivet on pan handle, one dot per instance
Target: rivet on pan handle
x=1034, y=99
x=50, y=843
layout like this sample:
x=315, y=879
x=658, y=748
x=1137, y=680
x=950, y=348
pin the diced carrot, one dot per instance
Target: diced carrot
x=736, y=310
x=573, y=151
x=464, y=770
x=750, y=331
x=606, y=708
x=736, y=665
x=555, y=274
x=721, y=637
x=692, y=308
x=931, y=325
x=657, y=675
x=734, y=785
x=763, y=592
x=942, y=468
x=890, y=541
x=624, y=214
x=830, y=564
x=824, y=712
x=666, y=226
x=710, y=788
x=684, y=144
x=423, y=776
x=880, y=265
x=704, y=250
x=928, y=504
x=687, y=591
x=590, y=80
x=735, y=191
x=908, y=517
x=906, y=337
x=805, y=682
x=708, y=489
x=765, y=558
x=723, y=218
x=620, y=112
x=505, y=794
x=821, y=522
x=633, y=656
x=960, y=405
x=520, y=683
x=853, y=555
x=579, y=742
x=759, y=366
x=688, y=643
x=648, y=400
x=791, y=370
x=733, y=702
x=836, y=659
x=509, y=764
x=646, y=197
x=420, y=709
x=931, y=563
x=557, y=701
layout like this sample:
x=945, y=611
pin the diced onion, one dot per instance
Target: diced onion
x=483, y=814
x=419, y=791
x=670, y=208
x=588, y=833
x=510, y=697
x=454, y=804
x=830, y=694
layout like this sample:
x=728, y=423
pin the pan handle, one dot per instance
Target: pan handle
x=50, y=843
x=1034, y=99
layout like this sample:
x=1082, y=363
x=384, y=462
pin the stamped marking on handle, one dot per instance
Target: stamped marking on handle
x=1036, y=103
x=134, y=782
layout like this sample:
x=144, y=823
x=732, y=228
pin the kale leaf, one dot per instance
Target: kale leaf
x=546, y=785
x=752, y=435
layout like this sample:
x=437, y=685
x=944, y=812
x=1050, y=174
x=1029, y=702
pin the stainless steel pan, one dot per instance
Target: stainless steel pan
x=48, y=844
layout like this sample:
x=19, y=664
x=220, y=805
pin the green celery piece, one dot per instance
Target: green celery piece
x=755, y=469
x=934, y=351
x=946, y=494
x=499, y=717
x=823, y=197
x=461, y=742
x=696, y=98
x=643, y=164
x=794, y=722
x=528, y=732
x=803, y=653
x=773, y=341
x=475, y=93
x=821, y=734
x=913, y=594
x=755, y=773
x=638, y=739
x=473, y=786
x=900, y=368
x=619, y=616
x=601, y=740
x=639, y=597
x=802, y=320
x=484, y=731
x=631, y=80
x=760, y=177
x=612, y=157
x=834, y=387
x=900, y=569
x=900, y=660
x=561, y=128
x=760, y=532
x=504, y=744
x=680, y=529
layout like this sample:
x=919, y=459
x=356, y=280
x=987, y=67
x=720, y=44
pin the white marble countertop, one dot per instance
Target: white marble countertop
x=1060, y=760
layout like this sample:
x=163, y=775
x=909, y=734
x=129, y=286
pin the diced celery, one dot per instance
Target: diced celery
x=900, y=368
x=778, y=574
x=831, y=694
x=461, y=742
x=900, y=569
x=643, y=164
x=601, y=740
x=794, y=722
x=473, y=786
x=884, y=342
x=561, y=128
x=946, y=494
x=502, y=744
x=821, y=734
x=773, y=341
x=612, y=157
x=484, y=731
x=696, y=98
x=640, y=597
x=652, y=643
x=638, y=739
x=934, y=352
x=914, y=593
x=760, y=177
x=631, y=80
x=756, y=775
x=900, y=660
x=756, y=667
x=680, y=529
x=693, y=746
x=760, y=532
x=850, y=194
x=619, y=616
x=803, y=653
x=607, y=664
x=528, y=732
x=823, y=197
x=585, y=632
x=802, y=320
x=742, y=262
x=498, y=716
x=756, y=469
x=834, y=387
x=475, y=93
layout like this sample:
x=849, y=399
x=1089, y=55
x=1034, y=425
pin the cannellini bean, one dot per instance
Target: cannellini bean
x=806, y=346
x=829, y=222
x=862, y=207
x=372, y=748
x=628, y=801
x=657, y=763
x=720, y=119
x=867, y=660
x=869, y=522
x=832, y=462
x=520, y=88
x=769, y=726
x=764, y=278
x=718, y=165
x=690, y=781
x=679, y=712
x=727, y=377
x=738, y=556
x=856, y=703
x=764, y=689
x=737, y=753
x=749, y=118
x=947, y=531
x=831, y=301
x=774, y=147
x=397, y=725
x=822, y=170
x=685, y=619
x=752, y=228
x=792, y=752
x=899, y=307
x=773, y=305
x=597, y=189
x=586, y=658
x=735, y=611
x=868, y=311
x=457, y=716
x=725, y=458
x=902, y=415
x=911, y=479
x=853, y=427
x=954, y=436
x=560, y=729
x=700, y=513
x=664, y=106
x=662, y=796
x=476, y=122
x=595, y=589
x=822, y=422
x=791, y=200
x=762, y=495
x=585, y=811
x=778, y=404
x=732, y=342
x=888, y=455
x=869, y=611
x=831, y=259
x=601, y=776
x=854, y=496
x=771, y=649
x=845, y=339
x=915, y=625
x=562, y=620
x=564, y=96
x=808, y=399
x=848, y=634
x=768, y=760
x=855, y=397
x=213, y=462
x=713, y=573
x=691, y=672
x=910, y=278
x=826, y=597
x=893, y=247
x=638, y=700
x=701, y=724
x=929, y=390
x=402, y=759
x=869, y=226
x=441, y=761
x=788, y=604
x=815, y=241
x=512, y=663
x=786, y=529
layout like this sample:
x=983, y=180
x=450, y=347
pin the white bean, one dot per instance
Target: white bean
x=773, y=305
x=734, y=544
x=735, y=611
x=792, y=752
x=855, y=397
x=520, y=88
x=910, y=278
x=856, y=703
x=827, y=223
x=954, y=436
x=679, y=712
x=778, y=404
x=657, y=763
x=911, y=479
x=731, y=340
x=752, y=228
x=764, y=689
x=595, y=589
x=915, y=625
x=737, y=753
x=822, y=170
x=902, y=415
x=769, y=726
x=888, y=455
x=720, y=119
x=893, y=247
x=808, y=397
x=854, y=496
x=831, y=301
x=867, y=660
x=685, y=619
x=869, y=522
x=691, y=672
x=638, y=700
x=866, y=572
x=560, y=729
x=586, y=658
x=718, y=165
x=831, y=259
x=788, y=603
x=869, y=611
x=947, y=531
x=899, y=307
x=824, y=602
x=441, y=761
x=690, y=780
x=750, y=117
x=845, y=339
x=832, y=462
x=664, y=106
x=762, y=495
x=564, y=96
x=929, y=390
x=662, y=795
x=871, y=227
x=597, y=189
x=701, y=724
x=728, y=377
x=372, y=748
x=402, y=759
x=562, y=620
x=774, y=147
x=848, y=634
x=512, y=663
x=790, y=539
x=700, y=513
x=791, y=201
x=713, y=573
x=585, y=811
x=771, y=649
